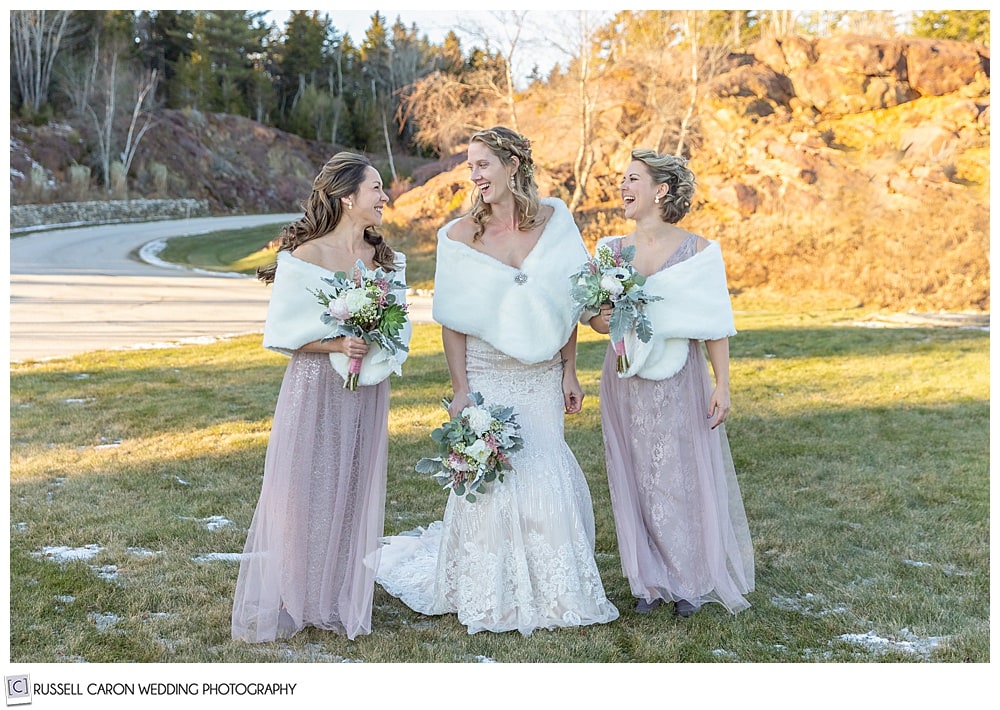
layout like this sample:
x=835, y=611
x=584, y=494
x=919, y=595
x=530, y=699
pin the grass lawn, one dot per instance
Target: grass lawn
x=862, y=453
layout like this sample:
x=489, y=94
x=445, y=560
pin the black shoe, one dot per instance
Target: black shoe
x=684, y=608
x=644, y=607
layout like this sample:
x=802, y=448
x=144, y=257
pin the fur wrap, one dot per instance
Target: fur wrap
x=531, y=320
x=293, y=318
x=695, y=306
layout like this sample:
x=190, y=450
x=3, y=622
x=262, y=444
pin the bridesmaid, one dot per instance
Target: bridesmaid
x=682, y=530
x=322, y=501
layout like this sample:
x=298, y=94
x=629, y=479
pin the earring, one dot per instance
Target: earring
x=657, y=199
x=512, y=183
x=350, y=204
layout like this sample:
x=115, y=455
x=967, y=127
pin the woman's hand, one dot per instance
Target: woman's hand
x=602, y=321
x=459, y=402
x=718, y=406
x=572, y=392
x=353, y=348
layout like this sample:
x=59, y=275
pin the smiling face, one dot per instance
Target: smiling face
x=488, y=172
x=639, y=191
x=369, y=200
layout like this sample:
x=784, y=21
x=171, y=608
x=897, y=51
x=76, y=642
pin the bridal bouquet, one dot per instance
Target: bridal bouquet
x=474, y=447
x=609, y=277
x=363, y=305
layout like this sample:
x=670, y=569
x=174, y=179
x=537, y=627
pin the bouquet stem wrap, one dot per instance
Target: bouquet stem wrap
x=353, y=370
x=623, y=363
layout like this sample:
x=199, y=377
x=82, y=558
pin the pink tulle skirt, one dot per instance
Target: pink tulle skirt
x=682, y=530
x=321, y=509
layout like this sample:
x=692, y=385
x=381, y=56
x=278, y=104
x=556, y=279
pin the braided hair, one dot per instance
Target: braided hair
x=672, y=170
x=507, y=144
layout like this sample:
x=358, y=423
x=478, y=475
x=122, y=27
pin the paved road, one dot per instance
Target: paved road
x=84, y=289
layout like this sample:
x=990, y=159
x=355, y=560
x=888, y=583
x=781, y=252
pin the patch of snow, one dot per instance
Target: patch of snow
x=952, y=571
x=213, y=522
x=484, y=659
x=808, y=604
x=914, y=563
x=181, y=481
x=219, y=557
x=20, y=527
x=78, y=400
x=104, y=622
x=67, y=554
x=311, y=652
x=904, y=641
x=108, y=572
x=65, y=599
x=142, y=552
x=150, y=253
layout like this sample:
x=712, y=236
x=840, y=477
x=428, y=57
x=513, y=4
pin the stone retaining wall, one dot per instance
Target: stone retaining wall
x=24, y=218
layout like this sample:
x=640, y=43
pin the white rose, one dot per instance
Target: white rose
x=612, y=282
x=479, y=451
x=479, y=419
x=356, y=299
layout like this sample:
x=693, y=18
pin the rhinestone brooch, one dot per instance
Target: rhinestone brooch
x=520, y=278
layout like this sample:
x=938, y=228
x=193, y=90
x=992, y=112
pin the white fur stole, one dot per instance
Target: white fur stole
x=695, y=305
x=293, y=318
x=527, y=313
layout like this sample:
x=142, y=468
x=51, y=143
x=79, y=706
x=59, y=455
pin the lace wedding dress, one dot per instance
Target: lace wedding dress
x=521, y=557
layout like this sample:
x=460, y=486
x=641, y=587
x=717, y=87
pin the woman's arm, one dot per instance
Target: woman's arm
x=454, y=354
x=348, y=345
x=718, y=403
x=572, y=391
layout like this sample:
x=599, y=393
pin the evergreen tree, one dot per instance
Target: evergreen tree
x=164, y=38
x=228, y=43
x=299, y=59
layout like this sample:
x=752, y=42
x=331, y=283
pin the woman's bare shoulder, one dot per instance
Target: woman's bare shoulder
x=462, y=230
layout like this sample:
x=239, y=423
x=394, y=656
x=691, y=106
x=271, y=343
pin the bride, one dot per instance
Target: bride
x=521, y=557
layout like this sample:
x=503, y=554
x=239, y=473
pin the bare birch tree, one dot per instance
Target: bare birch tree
x=510, y=24
x=706, y=61
x=142, y=117
x=118, y=127
x=578, y=40
x=35, y=36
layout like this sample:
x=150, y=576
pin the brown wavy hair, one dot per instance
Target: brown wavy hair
x=340, y=177
x=505, y=144
x=673, y=170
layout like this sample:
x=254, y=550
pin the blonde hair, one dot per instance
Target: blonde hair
x=340, y=177
x=506, y=145
x=672, y=170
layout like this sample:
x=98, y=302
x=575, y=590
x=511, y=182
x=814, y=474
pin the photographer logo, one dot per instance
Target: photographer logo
x=18, y=689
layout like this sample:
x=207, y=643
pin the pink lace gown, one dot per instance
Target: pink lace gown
x=321, y=508
x=679, y=516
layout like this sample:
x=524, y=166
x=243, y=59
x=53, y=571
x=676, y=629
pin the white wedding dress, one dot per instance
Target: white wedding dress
x=521, y=557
